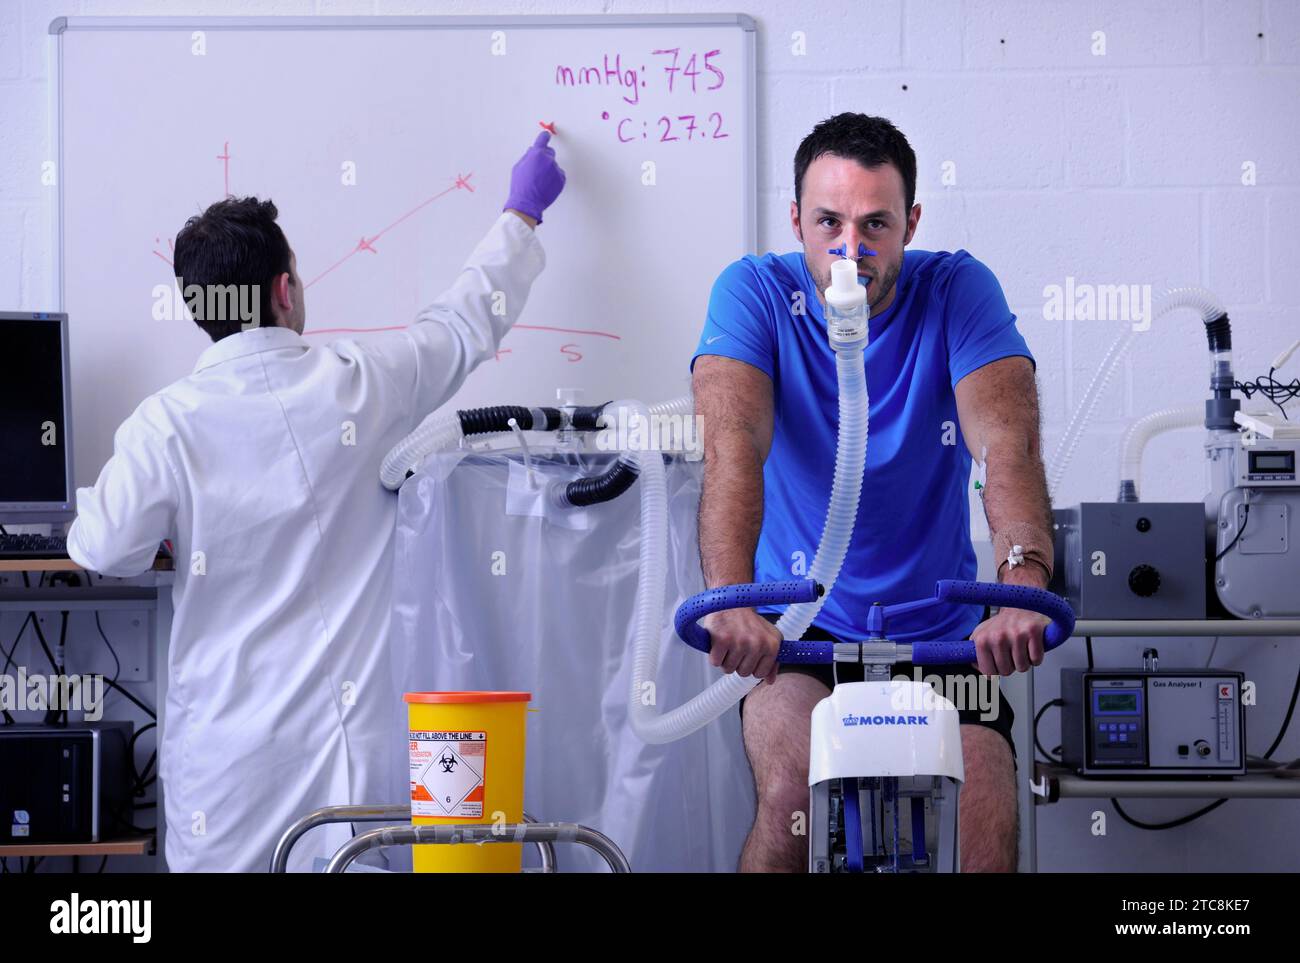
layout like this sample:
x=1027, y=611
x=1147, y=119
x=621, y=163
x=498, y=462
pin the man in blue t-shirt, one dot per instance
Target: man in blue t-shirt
x=949, y=376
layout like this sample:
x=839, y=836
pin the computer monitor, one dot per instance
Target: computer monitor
x=35, y=419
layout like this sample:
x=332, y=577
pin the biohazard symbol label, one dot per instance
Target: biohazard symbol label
x=450, y=778
x=447, y=773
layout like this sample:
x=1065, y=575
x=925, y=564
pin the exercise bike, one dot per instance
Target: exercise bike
x=881, y=745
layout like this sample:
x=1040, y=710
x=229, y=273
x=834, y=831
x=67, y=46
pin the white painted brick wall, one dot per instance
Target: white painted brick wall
x=1117, y=168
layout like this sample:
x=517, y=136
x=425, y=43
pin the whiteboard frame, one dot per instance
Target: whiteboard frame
x=61, y=25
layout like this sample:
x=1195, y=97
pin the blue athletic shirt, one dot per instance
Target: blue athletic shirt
x=948, y=318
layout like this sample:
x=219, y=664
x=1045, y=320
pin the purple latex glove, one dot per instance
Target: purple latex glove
x=536, y=180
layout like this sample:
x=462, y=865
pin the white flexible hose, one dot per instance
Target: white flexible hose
x=1198, y=299
x=841, y=514
x=846, y=489
x=683, y=406
x=1147, y=427
x=436, y=433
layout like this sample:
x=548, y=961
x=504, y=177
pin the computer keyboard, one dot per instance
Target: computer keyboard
x=23, y=545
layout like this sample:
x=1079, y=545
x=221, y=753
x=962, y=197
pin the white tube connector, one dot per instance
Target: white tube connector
x=846, y=306
x=1285, y=356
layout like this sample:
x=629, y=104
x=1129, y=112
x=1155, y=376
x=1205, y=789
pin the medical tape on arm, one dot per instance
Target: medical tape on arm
x=1021, y=544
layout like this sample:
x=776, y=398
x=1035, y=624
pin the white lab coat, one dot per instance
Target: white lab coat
x=263, y=467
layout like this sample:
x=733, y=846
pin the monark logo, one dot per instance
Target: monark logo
x=852, y=720
x=102, y=916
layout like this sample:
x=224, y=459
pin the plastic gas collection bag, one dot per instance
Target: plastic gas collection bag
x=496, y=588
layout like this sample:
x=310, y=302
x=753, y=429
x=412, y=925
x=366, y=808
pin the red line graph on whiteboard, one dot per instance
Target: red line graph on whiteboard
x=517, y=327
x=171, y=248
x=460, y=182
x=571, y=352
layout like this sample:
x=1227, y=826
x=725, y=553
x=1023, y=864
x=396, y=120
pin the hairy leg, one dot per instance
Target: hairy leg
x=777, y=723
x=988, y=803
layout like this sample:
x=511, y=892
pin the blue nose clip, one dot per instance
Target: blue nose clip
x=863, y=250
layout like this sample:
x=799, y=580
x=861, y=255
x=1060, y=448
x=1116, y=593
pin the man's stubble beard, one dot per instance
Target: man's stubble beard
x=877, y=291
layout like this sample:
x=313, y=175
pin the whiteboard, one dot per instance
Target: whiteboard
x=386, y=143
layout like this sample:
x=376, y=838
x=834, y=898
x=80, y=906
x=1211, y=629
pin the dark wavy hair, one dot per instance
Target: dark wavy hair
x=233, y=242
x=871, y=141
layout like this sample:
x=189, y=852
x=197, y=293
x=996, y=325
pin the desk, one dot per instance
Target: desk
x=133, y=846
x=160, y=564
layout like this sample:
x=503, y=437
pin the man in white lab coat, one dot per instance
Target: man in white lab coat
x=262, y=467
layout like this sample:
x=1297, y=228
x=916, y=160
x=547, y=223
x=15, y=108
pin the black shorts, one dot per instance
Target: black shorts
x=964, y=679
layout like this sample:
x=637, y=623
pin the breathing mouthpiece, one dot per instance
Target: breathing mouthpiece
x=845, y=293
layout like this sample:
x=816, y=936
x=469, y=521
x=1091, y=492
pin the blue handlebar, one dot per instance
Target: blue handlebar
x=747, y=595
x=950, y=591
x=1003, y=596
